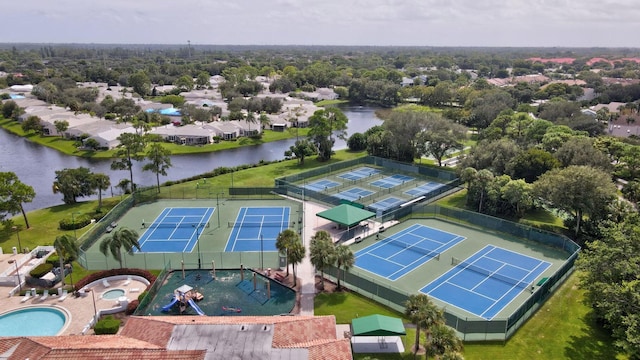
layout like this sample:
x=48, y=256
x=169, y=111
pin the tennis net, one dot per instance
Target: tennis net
x=183, y=224
x=280, y=224
x=413, y=247
x=492, y=274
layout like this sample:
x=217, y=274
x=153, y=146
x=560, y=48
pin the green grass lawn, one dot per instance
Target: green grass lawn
x=563, y=328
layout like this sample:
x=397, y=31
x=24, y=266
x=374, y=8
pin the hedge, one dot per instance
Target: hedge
x=107, y=325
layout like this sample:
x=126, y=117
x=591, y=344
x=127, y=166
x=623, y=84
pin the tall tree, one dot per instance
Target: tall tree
x=61, y=126
x=13, y=194
x=140, y=83
x=301, y=149
x=322, y=253
x=611, y=269
x=160, y=161
x=100, y=182
x=344, y=260
x=424, y=314
x=578, y=190
x=444, y=342
x=73, y=183
x=129, y=149
x=121, y=238
x=285, y=241
x=67, y=250
x=296, y=255
x=323, y=125
x=439, y=137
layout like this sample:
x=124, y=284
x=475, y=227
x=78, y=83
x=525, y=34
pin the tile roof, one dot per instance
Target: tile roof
x=150, y=337
x=334, y=350
x=123, y=354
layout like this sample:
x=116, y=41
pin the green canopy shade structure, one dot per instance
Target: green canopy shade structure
x=377, y=325
x=346, y=215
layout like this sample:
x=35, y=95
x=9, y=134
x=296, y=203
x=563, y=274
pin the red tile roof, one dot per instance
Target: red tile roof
x=145, y=338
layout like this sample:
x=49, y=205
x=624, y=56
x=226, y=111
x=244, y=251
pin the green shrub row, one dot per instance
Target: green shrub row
x=74, y=223
x=40, y=270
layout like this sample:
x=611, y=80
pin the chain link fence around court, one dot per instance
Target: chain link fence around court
x=473, y=329
x=191, y=260
x=294, y=185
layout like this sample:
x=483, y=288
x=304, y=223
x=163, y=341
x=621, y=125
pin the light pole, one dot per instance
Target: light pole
x=261, y=252
x=198, y=227
x=73, y=220
x=17, y=274
x=218, y=206
x=93, y=297
x=15, y=228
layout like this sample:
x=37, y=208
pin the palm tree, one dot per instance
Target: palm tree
x=121, y=238
x=423, y=313
x=66, y=248
x=344, y=259
x=285, y=241
x=296, y=255
x=101, y=182
x=444, y=341
x=322, y=252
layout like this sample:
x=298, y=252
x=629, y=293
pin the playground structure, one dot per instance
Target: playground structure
x=183, y=297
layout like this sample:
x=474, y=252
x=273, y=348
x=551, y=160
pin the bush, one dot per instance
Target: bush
x=40, y=270
x=142, y=295
x=54, y=260
x=107, y=325
x=78, y=222
x=131, y=307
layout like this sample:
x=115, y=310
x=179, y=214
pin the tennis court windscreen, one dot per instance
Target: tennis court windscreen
x=412, y=247
x=492, y=274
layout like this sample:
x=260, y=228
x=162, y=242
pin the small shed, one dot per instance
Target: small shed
x=376, y=334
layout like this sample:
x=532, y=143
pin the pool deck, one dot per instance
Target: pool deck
x=80, y=308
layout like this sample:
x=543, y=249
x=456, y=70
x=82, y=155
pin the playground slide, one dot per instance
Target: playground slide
x=196, y=307
x=169, y=305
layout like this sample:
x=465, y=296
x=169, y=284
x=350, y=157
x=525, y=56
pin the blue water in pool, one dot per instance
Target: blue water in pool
x=16, y=96
x=32, y=321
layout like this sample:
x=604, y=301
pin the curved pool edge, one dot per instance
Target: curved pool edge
x=63, y=310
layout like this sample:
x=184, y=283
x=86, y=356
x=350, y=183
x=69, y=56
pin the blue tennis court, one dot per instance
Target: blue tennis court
x=391, y=181
x=486, y=282
x=175, y=230
x=257, y=228
x=386, y=203
x=321, y=185
x=359, y=173
x=400, y=253
x=423, y=189
x=353, y=194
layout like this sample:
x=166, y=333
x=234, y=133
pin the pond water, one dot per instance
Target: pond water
x=35, y=165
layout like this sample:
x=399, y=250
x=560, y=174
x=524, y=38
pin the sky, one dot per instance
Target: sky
x=504, y=23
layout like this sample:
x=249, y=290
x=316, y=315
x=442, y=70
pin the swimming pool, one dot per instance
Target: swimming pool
x=229, y=293
x=113, y=294
x=16, y=96
x=33, y=321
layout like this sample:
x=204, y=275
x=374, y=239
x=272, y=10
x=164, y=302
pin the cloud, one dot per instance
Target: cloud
x=353, y=22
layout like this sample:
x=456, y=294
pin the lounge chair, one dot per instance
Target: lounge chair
x=134, y=290
x=64, y=295
x=45, y=295
x=128, y=281
x=26, y=297
x=105, y=283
